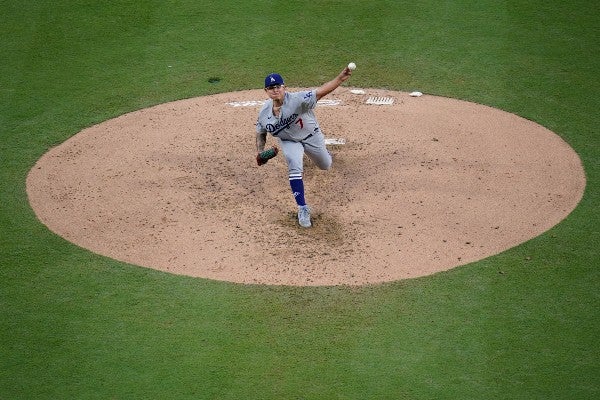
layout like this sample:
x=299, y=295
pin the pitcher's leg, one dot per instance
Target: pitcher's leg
x=294, y=154
x=317, y=151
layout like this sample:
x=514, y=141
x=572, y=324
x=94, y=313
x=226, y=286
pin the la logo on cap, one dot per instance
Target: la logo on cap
x=272, y=79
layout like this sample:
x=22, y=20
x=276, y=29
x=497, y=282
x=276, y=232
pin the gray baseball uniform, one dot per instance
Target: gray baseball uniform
x=297, y=129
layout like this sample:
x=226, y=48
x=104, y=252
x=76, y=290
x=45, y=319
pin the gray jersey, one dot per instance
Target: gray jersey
x=296, y=120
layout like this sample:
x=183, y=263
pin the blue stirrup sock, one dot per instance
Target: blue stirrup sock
x=297, y=186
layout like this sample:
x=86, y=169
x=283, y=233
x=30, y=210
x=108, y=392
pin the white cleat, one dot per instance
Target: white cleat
x=304, y=216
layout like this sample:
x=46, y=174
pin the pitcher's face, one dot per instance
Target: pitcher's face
x=276, y=92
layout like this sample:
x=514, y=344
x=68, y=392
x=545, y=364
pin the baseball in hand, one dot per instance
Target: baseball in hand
x=351, y=66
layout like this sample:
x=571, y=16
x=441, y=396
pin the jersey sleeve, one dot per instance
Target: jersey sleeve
x=260, y=128
x=309, y=99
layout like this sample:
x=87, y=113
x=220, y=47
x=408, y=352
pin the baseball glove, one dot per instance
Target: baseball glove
x=266, y=155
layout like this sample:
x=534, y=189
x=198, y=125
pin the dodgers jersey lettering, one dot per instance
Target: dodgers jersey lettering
x=296, y=118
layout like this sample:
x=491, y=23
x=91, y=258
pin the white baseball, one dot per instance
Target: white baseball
x=351, y=66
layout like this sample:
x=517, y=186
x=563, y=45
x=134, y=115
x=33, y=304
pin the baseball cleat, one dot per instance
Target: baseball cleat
x=304, y=216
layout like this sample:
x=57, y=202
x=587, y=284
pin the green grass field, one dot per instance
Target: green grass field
x=74, y=325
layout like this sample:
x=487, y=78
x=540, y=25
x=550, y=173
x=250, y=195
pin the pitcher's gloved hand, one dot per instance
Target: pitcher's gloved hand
x=266, y=155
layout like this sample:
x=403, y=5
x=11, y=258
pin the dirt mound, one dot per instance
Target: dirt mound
x=422, y=184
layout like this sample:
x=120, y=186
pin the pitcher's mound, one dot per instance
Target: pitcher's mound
x=419, y=185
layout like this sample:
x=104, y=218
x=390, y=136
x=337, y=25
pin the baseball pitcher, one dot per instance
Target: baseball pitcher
x=289, y=117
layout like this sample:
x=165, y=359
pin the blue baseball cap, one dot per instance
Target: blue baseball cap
x=273, y=79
